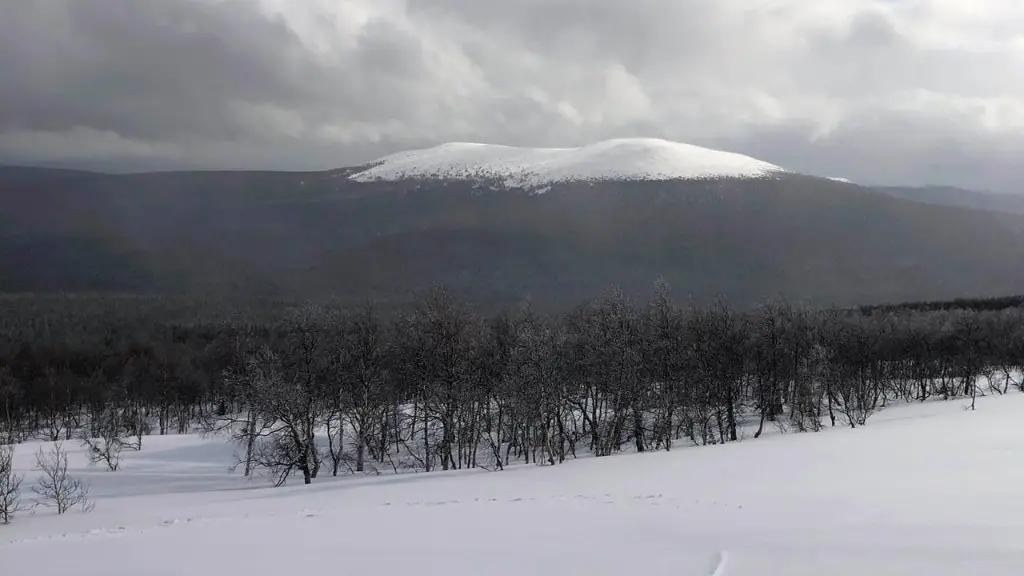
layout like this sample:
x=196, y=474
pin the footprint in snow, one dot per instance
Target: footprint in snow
x=719, y=562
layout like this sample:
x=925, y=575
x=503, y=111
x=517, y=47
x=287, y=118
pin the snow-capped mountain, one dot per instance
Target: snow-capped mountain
x=618, y=159
x=710, y=223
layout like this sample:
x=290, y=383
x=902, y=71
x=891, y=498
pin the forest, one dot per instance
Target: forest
x=314, y=389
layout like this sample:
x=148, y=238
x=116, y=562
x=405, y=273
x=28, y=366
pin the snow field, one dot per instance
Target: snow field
x=618, y=159
x=926, y=489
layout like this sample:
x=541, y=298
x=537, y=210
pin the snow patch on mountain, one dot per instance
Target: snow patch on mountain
x=618, y=159
x=838, y=179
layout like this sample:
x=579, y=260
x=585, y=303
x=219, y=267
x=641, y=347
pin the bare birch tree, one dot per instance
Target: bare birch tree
x=55, y=488
x=10, y=486
x=107, y=446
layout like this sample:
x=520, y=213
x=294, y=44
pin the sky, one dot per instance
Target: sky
x=878, y=91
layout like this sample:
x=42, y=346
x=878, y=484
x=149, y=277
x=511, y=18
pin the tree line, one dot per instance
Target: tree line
x=991, y=304
x=314, y=389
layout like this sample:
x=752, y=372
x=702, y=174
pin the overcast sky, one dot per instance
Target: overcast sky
x=901, y=91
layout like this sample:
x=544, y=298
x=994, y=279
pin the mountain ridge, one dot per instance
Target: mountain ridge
x=317, y=235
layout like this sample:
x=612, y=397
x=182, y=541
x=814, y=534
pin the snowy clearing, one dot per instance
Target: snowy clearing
x=926, y=489
x=618, y=159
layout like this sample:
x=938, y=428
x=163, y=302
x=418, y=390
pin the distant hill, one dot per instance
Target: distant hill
x=958, y=197
x=497, y=224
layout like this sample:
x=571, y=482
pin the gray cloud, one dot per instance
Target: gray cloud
x=875, y=90
x=145, y=69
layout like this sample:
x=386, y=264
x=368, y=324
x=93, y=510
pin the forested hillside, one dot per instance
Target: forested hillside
x=319, y=236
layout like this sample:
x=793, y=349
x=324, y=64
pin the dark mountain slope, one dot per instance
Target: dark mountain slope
x=320, y=235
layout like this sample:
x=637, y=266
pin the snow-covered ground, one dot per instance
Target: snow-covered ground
x=618, y=159
x=926, y=489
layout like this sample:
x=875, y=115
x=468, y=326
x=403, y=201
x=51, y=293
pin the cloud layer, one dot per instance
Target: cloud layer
x=895, y=91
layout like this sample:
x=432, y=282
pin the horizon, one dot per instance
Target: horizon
x=102, y=168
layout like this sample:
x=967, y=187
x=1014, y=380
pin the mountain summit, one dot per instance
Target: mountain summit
x=619, y=212
x=625, y=159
